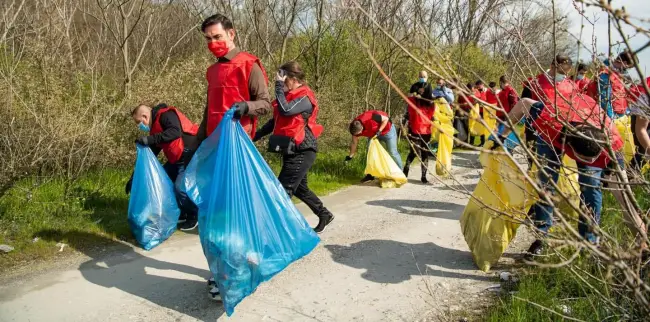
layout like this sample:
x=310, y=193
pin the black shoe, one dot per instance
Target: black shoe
x=323, y=221
x=189, y=225
x=406, y=171
x=424, y=180
x=536, y=249
x=367, y=178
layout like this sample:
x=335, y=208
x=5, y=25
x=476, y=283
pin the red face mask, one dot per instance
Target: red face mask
x=218, y=48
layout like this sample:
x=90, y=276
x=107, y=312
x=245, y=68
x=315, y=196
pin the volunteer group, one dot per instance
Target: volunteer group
x=563, y=115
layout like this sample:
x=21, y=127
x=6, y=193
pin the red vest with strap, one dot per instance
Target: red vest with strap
x=504, y=101
x=370, y=127
x=465, y=102
x=174, y=150
x=491, y=97
x=569, y=106
x=294, y=125
x=420, y=118
x=228, y=84
x=618, y=92
x=582, y=83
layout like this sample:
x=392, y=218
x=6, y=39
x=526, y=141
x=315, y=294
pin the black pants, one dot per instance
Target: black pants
x=293, y=178
x=419, y=146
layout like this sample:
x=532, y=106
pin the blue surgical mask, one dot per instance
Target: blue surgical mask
x=580, y=76
x=143, y=127
x=559, y=77
x=423, y=80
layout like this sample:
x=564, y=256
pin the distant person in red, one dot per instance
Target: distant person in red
x=236, y=80
x=507, y=97
x=609, y=86
x=492, y=93
x=581, y=78
x=370, y=124
x=480, y=92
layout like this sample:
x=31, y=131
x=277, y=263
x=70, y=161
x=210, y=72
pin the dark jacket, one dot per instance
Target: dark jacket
x=171, y=130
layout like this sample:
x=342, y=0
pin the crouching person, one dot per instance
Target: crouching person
x=370, y=124
x=174, y=134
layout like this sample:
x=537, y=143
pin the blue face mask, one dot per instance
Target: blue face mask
x=559, y=77
x=580, y=76
x=423, y=80
x=143, y=127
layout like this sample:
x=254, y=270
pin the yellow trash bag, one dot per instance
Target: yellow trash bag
x=444, y=119
x=568, y=184
x=490, y=120
x=380, y=165
x=624, y=126
x=504, y=189
x=475, y=126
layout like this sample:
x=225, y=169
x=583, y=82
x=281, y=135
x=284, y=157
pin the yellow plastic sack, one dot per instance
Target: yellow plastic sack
x=444, y=117
x=624, y=126
x=380, y=165
x=504, y=189
x=568, y=184
x=475, y=126
x=490, y=120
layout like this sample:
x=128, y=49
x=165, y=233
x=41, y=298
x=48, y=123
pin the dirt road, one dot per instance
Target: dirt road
x=390, y=255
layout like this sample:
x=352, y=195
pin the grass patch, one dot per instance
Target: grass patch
x=35, y=215
x=563, y=291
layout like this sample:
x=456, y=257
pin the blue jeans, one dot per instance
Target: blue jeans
x=590, y=193
x=390, y=142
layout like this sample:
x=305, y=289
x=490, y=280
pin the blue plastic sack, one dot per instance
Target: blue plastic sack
x=248, y=226
x=511, y=141
x=153, y=211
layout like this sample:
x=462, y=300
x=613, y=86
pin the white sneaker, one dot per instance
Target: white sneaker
x=214, y=293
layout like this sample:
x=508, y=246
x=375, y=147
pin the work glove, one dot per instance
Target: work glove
x=348, y=159
x=142, y=141
x=241, y=109
x=378, y=134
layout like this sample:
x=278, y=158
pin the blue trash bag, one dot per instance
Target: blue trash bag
x=248, y=226
x=153, y=210
x=511, y=141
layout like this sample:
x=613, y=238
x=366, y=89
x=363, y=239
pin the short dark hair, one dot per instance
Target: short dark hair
x=215, y=20
x=626, y=57
x=469, y=86
x=356, y=127
x=504, y=79
x=479, y=82
x=582, y=66
x=562, y=59
x=492, y=84
x=293, y=70
x=589, y=146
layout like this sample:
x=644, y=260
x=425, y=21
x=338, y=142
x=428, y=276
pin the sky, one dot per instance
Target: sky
x=636, y=8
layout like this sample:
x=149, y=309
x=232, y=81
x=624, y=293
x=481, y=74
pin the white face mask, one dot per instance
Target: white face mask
x=559, y=77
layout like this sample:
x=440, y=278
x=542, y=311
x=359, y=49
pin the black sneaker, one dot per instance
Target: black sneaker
x=406, y=171
x=211, y=282
x=189, y=224
x=214, y=294
x=182, y=218
x=536, y=249
x=323, y=221
x=367, y=178
x=424, y=180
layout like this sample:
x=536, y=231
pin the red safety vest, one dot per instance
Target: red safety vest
x=174, y=150
x=582, y=84
x=569, y=106
x=491, y=97
x=370, y=127
x=504, y=102
x=228, y=84
x=420, y=124
x=465, y=103
x=619, y=94
x=294, y=125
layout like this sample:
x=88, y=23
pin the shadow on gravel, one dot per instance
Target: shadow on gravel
x=131, y=272
x=427, y=208
x=392, y=262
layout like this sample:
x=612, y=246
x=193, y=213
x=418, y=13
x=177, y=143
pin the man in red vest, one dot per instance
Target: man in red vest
x=480, y=92
x=419, y=116
x=581, y=78
x=236, y=80
x=507, y=97
x=370, y=124
x=175, y=135
x=609, y=86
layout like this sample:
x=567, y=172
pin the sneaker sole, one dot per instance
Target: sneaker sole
x=190, y=229
x=328, y=223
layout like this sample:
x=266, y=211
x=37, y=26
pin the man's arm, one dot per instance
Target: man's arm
x=520, y=109
x=260, y=102
x=353, y=146
x=171, y=129
x=449, y=95
x=382, y=120
x=641, y=131
x=265, y=130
